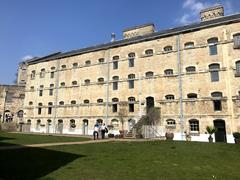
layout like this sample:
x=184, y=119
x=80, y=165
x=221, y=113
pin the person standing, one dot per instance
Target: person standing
x=95, y=132
x=103, y=130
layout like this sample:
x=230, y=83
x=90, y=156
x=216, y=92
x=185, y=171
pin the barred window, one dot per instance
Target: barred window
x=101, y=60
x=168, y=72
x=236, y=40
x=73, y=102
x=169, y=97
x=100, y=101
x=171, y=122
x=212, y=43
x=168, y=48
x=149, y=52
x=214, y=71
x=190, y=69
x=192, y=96
x=194, y=125
x=189, y=45
x=149, y=74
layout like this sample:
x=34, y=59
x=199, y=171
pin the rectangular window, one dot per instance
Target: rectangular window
x=115, y=64
x=39, y=110
x=40, y=92
x=213, y=49
x=217, y=105
x=9, y=97
x=131, y=62
x=49, y=110
x=114, y=108
x=214, y=76
x=115, y=85
x=131, y=107
x=236, y=41
x=52, y=75
x=50, y=92
x=131, y=84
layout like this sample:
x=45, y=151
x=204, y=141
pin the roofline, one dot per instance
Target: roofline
x=139, y=26
x=155, y=35
x=211, y=8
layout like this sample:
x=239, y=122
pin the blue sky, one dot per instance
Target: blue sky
x=30, y=28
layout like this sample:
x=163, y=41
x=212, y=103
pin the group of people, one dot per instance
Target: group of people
x=99, y=128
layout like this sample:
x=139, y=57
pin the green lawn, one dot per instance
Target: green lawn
x=8, y=139
x=124, y=160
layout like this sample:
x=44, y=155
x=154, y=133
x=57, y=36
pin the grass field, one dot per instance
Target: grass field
x=124, y=160
x=9, y=139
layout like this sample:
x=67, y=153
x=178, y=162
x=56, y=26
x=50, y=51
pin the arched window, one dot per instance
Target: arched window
x=30, y=103
x=168, y=48
x=74, y=83
x=100, y=101
x=214, y=71
x=171, y=122
x=115, y=62
x=29, y=121
x=236, y=41
x=131, y=57
x=50, y=107
x=192, y=96
x=75, y=65
x=216, y=94
x=61, y=103
x=63, y=66
x=168, y=72
x=115, y=58
x=169, y=97
x=53, y=68
x=33, y=74
x=190, y=69
x=38, y=124
x=20, y=114
x=72, y=124
x=114, y=104
x=238, y=67
x=40, y=104
x=87, y=81
x=115, y=124
x=149, y=74
x=101, y=60
x=86, y=101
x=189, y=45
x=217, y=103
x=131, y=78
x=194, y=125
x=100, y=80
x=88, y=63
x=149, y=52
x=62, y=84
x=73, y=102
x=50, y=104
x=42, y=73
x=115, y=82
x=131, y=101
x=212, y=43
x=51, y=85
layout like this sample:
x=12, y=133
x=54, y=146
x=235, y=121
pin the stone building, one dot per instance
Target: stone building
x=191, y=73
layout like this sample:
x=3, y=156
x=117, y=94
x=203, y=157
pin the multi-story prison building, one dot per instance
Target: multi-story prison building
x=191, y=73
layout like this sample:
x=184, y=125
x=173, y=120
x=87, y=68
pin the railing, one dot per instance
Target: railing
x=149, y=131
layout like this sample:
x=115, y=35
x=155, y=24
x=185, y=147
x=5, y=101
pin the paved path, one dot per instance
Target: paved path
x=70, y=143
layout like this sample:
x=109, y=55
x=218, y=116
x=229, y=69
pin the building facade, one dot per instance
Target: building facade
x=191, y=73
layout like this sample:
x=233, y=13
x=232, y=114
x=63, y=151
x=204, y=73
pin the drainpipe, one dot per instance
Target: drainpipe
x=4, y=106
x=180, y=86
x=107, y=94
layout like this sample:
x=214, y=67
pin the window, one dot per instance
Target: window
x=149, y=74
x=236, y=41
x=131, y=78
x=39, y=110
x=74, y=83
x=51, y=85
x=168, y=48
x=101, y=60
x=38, y=124
x=22, y=96
x=40, y=92
x=217, y=104
x=100, y=80
x=61, y=103
x=86, y=101
x=33, y=74
x=75, y=65
x=115, y=124
x=131, y=101
x=73, y=102
x=114, y=104
x=100, y=101
x=115, y=82
x=72, y=124
x=52, y=75
x=20, y=114
x=214, y=71
x=50, y=107
x=41, y=86
x=194, y=125
x=50, y=92
x=53, y=68
x=192, y=96
x=131, y=57
x=190, y=69
x=62, y=84
x=115, y=62
x=29, y=121
x=30, y=103
x=87, y=81
x=88, y=63
x=32, y=88
x=168, y=72
x=149, y=52
x=42, y=73
x=171, y=122
x=212, y=43
x=189, y=45
x=169, y=97
x=238, y=68
x=64, y=66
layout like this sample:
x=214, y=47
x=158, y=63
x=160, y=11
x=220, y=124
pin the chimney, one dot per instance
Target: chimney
x=113, y=36
x=139, y=31
x=212, y=13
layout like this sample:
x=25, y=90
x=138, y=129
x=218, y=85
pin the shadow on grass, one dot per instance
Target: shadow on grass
x=31, y=163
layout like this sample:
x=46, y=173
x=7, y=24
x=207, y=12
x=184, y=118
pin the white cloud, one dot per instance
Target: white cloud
x=27, y=57
x=192, y=9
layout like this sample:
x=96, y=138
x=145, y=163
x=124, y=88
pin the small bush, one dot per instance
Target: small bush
x=236, y=135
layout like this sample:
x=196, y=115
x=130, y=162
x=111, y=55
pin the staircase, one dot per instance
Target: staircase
x=137, y=126
x=129, y=134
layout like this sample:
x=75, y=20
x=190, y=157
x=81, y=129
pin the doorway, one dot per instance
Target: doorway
x=220, y=135
x=85, y=127
x=150, y=103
